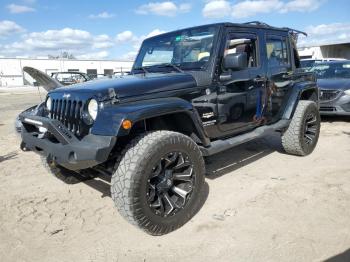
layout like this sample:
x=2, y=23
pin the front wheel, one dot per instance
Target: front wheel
x=302, y=134
x=158, y=181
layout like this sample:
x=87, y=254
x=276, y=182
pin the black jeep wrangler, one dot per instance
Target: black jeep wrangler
x=191, y=93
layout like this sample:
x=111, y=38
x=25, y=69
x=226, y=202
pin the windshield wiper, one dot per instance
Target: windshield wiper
x=142, y=68
x=170, y=65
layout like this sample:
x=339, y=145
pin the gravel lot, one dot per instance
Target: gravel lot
x=260, y=205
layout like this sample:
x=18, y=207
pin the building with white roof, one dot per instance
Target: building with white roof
x=11, y=73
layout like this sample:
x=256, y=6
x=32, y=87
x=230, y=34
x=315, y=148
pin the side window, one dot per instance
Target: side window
x=243, y=44
x=277, y=52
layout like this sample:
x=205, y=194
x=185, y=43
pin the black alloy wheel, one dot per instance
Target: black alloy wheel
x=303, y=131
x=158, y=181
x=171, y=184
x=310, y=129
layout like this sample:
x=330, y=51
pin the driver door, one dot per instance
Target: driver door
x=240, y=90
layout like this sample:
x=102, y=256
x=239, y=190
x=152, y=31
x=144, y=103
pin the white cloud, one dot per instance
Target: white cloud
x=75, y=41
x=130, y=56
x=250, y=8
x=102, y=41
x=17, y=9
x=326, y=34
x=129, y=37
x=167, y=8
x=103, y=15
x=80, y=43
x=9, y=27
x=185, y=8
x=154, y=33
x=217, y=9
x=126, y=36
x=327, y=29
x=97, y=55
x=301, y=6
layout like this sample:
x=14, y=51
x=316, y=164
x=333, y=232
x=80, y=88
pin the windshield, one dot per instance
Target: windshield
x=332, y=70
x=188, y=49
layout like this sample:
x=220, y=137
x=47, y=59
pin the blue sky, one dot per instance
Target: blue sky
x=114, y=29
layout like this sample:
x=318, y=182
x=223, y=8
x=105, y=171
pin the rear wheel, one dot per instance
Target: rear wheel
x=302, y=134
x=158, y=181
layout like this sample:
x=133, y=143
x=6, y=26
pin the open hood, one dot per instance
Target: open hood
x=42, y=79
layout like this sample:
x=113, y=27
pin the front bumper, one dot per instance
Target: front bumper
x=62, y=146
x=338, y=106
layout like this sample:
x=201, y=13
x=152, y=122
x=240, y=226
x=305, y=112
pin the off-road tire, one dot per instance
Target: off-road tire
x=131, y=177
x=293, y=139
x=67, y=176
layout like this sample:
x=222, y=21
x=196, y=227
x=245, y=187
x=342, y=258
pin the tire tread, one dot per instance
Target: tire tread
x=124, y=182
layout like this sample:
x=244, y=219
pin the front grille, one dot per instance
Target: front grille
x=69, y=113
x=327, y=95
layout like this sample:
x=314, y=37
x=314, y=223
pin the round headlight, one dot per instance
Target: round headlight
x=347, y=92
x=48, y=103
x=93, y=108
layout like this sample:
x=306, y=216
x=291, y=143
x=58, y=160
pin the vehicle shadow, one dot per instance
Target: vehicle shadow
x=216, y=165
x=343, y=257
x=102, y=184
x=8, y=156
x=243, y=155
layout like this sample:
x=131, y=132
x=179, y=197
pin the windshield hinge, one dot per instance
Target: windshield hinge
x=113, y=96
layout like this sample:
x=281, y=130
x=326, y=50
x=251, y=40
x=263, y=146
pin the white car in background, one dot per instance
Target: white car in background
x=308, y=63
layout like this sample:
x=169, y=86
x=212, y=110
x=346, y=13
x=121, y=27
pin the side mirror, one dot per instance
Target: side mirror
x=236, y=61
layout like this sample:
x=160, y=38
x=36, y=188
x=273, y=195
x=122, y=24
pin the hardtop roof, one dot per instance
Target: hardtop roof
x=252, y=24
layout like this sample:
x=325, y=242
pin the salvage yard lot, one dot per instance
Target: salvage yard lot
x=259, y=205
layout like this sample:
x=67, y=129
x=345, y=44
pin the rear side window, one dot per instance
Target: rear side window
x=277, y=52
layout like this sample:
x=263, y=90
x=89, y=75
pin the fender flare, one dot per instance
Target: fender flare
x=110, y=118
x=297, y=90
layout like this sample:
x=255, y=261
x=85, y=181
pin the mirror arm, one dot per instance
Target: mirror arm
x=226, y=76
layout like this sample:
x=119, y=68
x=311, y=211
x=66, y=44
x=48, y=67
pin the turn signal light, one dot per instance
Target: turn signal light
x=126, y=124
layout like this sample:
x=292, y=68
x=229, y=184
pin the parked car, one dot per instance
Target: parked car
x=151, y=130
x=70, y=78
x=333, y=80
x=308, y=63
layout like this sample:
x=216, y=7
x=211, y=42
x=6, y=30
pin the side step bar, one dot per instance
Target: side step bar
x=222, y=145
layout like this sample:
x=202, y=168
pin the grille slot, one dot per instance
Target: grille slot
x=327, y=109
x=69, y=113
x=327, y=95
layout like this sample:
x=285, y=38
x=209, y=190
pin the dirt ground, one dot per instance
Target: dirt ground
x=259, y=205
